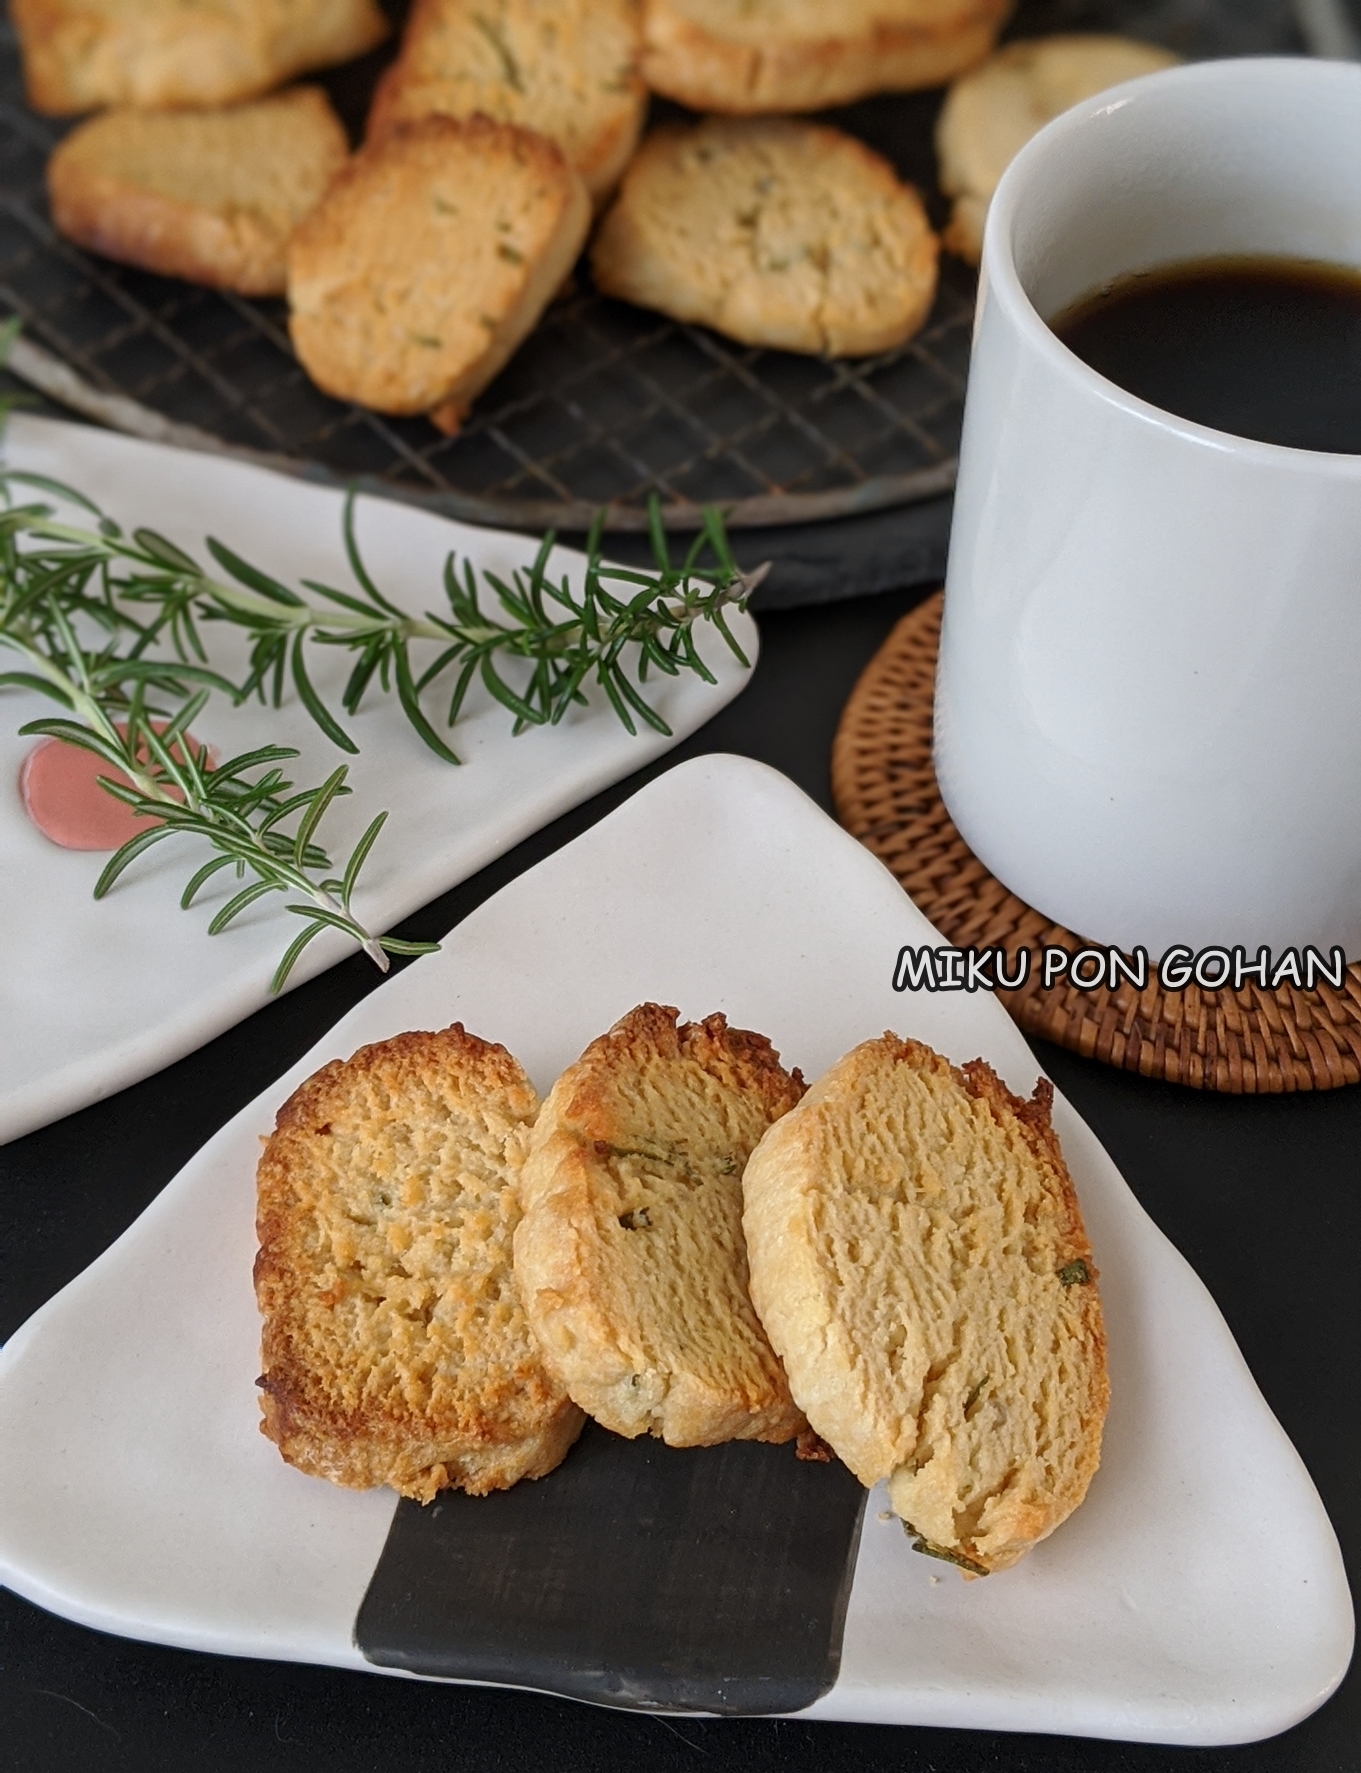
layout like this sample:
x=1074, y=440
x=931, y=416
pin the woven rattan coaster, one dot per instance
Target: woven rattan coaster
x=884, y=784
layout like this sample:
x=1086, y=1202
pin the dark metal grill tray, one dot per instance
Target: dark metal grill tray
x=604, y=406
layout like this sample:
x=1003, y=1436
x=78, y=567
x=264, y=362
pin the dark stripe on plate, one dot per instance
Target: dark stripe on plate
x=709, y=1579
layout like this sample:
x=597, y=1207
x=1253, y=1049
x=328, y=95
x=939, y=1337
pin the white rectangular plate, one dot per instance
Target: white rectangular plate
x=1197, y=1596
x=95, y=996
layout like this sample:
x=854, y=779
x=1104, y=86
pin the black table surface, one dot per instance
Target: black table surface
x=1260, y=1195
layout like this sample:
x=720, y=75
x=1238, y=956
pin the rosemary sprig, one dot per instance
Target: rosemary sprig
x=621, y=618
x=103, y=620
x=243, y=814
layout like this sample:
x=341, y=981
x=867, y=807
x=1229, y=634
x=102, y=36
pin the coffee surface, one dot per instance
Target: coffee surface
x=1261, y=347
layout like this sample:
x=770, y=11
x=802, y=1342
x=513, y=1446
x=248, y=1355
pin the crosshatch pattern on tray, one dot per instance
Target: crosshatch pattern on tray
x=604, y=404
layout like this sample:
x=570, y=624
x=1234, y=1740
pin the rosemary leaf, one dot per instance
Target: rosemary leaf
x=316, y=812
x=201, y=878
x=314, y=704
x=130, y=851
x=234, y=906
x=251, y=576
x=358, y=857
x=291, y=956
x=411, y=704
x=356, y=559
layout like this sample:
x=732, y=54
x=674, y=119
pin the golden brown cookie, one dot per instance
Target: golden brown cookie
x=395, y=1347
x=630, y=1255
x=209, y=195
x=802, y=55
x=775, y=232
x=82, y=54
x=567, y=68
x=429, y=259
x=919, y=1262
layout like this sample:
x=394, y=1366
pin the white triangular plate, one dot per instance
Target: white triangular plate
x=1198, y=1595
x=95, y=996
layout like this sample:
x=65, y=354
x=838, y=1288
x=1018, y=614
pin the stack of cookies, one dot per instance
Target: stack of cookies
x=889, y=1268
x=501, y=132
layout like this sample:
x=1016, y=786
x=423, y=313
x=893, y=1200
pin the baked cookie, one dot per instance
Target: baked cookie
x=395, y=1347
x=774, y=232
x=802, y=55
x=629, y=1256
x=431, y=256
x=209, y=195
x=992, y=113
x=919, y=1263
x=567, y=68
x=81, y=54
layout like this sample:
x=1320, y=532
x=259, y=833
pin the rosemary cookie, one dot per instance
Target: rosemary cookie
x=208, y=195
x=992, y=113
x=429, y=259
x=629, y=1256
x=79, y=55
x=774, y=232
x=919, y=1263
x=395, y=1346
x=568, y=68
x=802, y=55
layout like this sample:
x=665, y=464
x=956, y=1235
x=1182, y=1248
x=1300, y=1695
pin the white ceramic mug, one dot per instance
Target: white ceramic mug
x=1148, y=708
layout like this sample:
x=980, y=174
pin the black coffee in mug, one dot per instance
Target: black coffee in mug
x=1261, y=347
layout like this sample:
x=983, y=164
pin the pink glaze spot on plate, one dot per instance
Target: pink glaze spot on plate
x=59, y=784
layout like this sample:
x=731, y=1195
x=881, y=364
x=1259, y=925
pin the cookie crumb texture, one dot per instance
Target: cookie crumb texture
x=395, y=1347
x=81, y=54
x=428, y=261
x=748, y=56
x=776, y=233
x=919, y=1262
x=213, y=196
x=630, y=1255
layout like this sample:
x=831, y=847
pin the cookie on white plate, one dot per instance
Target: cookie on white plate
x=395, y=1347
x=919, y=1262
x=629, y=1256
